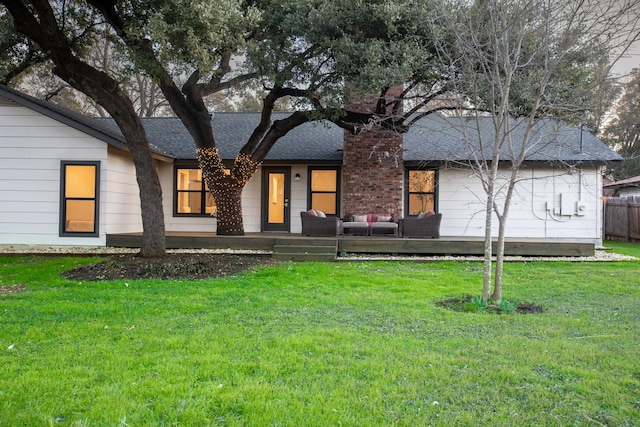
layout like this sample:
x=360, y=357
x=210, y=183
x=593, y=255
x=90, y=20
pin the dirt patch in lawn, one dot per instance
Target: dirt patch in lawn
x=466, y=304
x=12, y=289
x=172, y=266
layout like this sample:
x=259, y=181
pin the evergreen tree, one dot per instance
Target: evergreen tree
x=623, y=132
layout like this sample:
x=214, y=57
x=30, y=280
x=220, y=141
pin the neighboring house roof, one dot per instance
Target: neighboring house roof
x=629, y=182
x=433, y=138
x=440, y=138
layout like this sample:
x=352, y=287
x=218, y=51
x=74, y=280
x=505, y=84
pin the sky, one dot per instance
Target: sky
x=630, y=60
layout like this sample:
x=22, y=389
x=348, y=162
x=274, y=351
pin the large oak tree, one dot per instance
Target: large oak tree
x=62, y=33
x=305, y=50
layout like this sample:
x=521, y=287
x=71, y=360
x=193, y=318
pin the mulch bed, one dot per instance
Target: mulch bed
x=173, y=266
x=461, y=304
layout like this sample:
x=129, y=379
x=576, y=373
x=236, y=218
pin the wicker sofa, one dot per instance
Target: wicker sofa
x=314, y=225
x=370, y=224
x=427, y=226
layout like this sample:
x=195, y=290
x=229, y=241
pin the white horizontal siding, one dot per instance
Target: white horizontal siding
x=462, y=202
x=251, y=199
x=122, y=212
x=31, y=149
x=298, y=196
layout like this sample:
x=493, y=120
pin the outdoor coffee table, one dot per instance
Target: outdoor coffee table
x=355, y=228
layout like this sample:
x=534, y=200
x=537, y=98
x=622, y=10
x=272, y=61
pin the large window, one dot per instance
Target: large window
x=421, y=191
x=192, y=194
x=79, y=198
x=323, y=190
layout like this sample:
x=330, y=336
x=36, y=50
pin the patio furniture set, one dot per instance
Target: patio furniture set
x=425, y=225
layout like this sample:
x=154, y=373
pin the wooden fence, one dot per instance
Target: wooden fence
x=622, y=219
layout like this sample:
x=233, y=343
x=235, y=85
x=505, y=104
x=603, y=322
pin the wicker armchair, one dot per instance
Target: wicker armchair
x=316, y=226
x=427, y=227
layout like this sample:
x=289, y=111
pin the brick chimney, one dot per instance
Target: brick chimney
x=372, y=165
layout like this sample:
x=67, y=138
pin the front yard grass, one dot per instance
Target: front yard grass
x=316, y=344
x=625, y=248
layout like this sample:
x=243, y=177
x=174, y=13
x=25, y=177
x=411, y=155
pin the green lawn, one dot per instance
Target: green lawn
x=320, y=344
x=625, y=248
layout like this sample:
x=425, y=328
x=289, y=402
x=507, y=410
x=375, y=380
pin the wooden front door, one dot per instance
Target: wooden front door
x=275, y=199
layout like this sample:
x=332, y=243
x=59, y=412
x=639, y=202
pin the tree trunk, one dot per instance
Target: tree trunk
x=486, y=277
x=153, y=229
x=106, y=92
x=492, y=174
x=502, y=218
x=496, y=296
x=226, y=187
x=229, y=217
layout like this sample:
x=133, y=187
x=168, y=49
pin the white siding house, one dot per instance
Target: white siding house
x=32, y=147
x=43, y=147
x=40, y=145
x=624, y=188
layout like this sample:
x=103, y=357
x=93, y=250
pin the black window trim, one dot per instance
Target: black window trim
x=203, y=194
x=63, y=199
x=338, y=186
x=407, y=189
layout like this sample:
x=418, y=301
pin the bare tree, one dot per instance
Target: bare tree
x=38, y=80
x=522, y=62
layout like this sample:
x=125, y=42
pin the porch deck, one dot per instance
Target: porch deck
x=362, y=244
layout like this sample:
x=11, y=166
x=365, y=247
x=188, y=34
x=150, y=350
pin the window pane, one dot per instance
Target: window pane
x=276, y=198
x=326, y=202
x=422, y=181
x=80, y=216
x=421, y=203
x=191, y=190
x=211, y=204
x=80, y=181
x=189, y=202
x=189, y=179
x=324, y=180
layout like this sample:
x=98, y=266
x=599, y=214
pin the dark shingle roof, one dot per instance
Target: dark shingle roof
x=440, y=138
x=316, y=141
x=435, y=137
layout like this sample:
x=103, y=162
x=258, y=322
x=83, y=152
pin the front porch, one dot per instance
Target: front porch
x=290, y=243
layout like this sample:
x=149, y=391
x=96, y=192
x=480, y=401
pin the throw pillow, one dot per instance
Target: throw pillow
x=422, y=215
x=312, y=212
x=360, y=218
x=430, y=213
x=383, y=219
x=321, y=214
